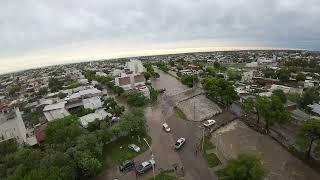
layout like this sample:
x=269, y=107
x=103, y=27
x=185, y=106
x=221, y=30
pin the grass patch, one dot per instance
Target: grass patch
x=118, y=151
x=180, y=113
x=211, y=158
x=165, y=175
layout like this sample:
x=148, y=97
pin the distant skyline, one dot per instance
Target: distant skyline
x=40, y=33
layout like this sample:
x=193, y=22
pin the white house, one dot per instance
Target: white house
x=99, y=114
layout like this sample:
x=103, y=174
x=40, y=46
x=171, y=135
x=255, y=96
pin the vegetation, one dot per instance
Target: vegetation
x=189, y=79
x=153, y=94
x=309, y=134
x=69, y=151
x=136, y=99
x=162, y=66
x=220, y=89
x=270, y=108
x=244, y=167
x=113, y=107
x=309, y=96
x=55, y=84
x=81, y=111
x=13, y=89
x=165, y=175
x=211, y=158
x=118, y=90
x=180, y=113
x=280, y=94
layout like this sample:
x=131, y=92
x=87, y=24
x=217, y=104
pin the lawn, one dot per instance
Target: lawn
x=211, y=158
x=118, y=151
x=180, y=113
x=165, y=175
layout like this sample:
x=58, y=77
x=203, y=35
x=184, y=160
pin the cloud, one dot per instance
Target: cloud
x=32, y=26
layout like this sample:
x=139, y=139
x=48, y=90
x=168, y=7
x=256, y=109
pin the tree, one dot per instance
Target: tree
x=153, y=94
x=280, y=94
x=301, y=77
x=62, y=133
x=216, y=65
x=55, y=84
x=244, y=167
x=136, y=99
x=283, y=75
x=272, y=110
x=220, y=89
x=118, y=90
x=147, y=75
x=189, y=79
x=309, y=133
x=133, y=122
x=249, y=106
x=309, y=97
x=13, y=89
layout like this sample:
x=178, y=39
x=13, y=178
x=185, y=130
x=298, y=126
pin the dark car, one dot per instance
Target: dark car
x=126, y=165
x=145, y=166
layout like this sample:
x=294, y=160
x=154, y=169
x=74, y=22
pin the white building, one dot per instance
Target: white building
x=55, y=111
x=135, y=66
x=92, y=103
x=99, y=114
x=247, y=76
x=12, y=127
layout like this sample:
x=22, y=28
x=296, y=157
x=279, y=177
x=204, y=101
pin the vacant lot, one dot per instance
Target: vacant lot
x=199, y=108
x=237, y=138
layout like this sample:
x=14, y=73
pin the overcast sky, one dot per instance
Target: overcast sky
x=41, y=32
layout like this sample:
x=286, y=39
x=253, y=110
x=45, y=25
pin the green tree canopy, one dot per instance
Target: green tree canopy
x=280, y=94
x=220, y=89
x=136, y=99
x=309, y=133
x=244, y=167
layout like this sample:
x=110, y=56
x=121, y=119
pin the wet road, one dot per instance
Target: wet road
x=193, y=163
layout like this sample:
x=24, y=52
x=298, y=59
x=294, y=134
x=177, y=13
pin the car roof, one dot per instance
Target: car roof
x=210, y=120
x=145, y=163
x=165, y=125
x=180, y=140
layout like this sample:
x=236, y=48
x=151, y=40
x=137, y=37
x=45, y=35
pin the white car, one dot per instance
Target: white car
x=134, y=147
x=166, y=127
x=209, y=123
x=180, y=142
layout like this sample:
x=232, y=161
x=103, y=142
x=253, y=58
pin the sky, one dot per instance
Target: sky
x=36, y=33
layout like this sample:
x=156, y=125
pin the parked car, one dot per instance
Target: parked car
x=209, y=123
x=134, y=147
x=180, y=142
x=126, y=165
x=145, y=166
x=166, y=127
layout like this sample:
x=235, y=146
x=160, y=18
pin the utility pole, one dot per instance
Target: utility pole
x=152, y=157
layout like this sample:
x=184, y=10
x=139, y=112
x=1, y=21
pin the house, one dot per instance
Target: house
x=298, y=116
x=315, y=109
x=99, y=114
x=55, y=111
x=13, y=127
x=92, y=103
x=129, y=81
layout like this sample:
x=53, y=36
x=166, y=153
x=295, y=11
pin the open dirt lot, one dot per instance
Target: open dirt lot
x=202, y=106
x=237, y=138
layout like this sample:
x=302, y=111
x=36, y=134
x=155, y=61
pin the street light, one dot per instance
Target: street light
x=152, y=157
